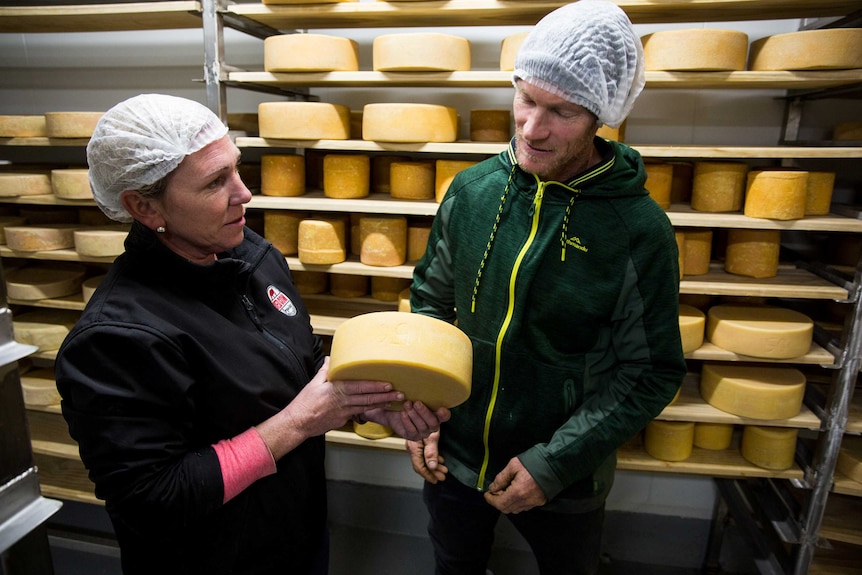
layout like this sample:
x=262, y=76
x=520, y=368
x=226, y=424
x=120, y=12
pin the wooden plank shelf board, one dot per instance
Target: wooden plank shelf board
x=352, y=266
x=103, y=17
x=789, y=283
x=375, y=203
x=846, y=486
x=70, y=302
x=816, y=355
x=842, y=520
x=67, y=255
x=42, y=141
x=47, y=200
x=683, y=215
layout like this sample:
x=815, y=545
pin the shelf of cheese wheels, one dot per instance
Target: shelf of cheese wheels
x=101, y=17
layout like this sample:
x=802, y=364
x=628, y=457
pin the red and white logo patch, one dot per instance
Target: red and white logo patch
x=280, y=301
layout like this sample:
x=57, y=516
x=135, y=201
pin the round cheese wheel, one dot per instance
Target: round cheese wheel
x=33, y=238
x=698, y=251
x=88, y=288
x=752, y=253
x=383, y=240
x=509, y=50
x=25, y=184
x=281, y=229
x=381, y=169
x=322, y=241
x=44, y=281
x=372, y=430
x=692, y=323
x=104, y=242
x=304, y=120
x=713, y=436
x=718, y=186
x=760, y=331
x=769, y=447
x=71, y=124
x=71, y=184
x=420, y=51
x=388, y=289
x=412, y=180
x=282, y=175
x=818, y=198
x=15, y=221
x=758, y=392
x=348, y=285
x=490, y=125
x=825, y=49
x=44, y=328
x=40, y=388
x=310, y=53
x=404, y=300
x=776, y=194
x=444, y=172
x=850, y=457
x=308, y=283
x=417, y=239
x=346, y=176
x=658, y=182
x=703, y=49
x=26, y=126
x=409, y=123
x=669, y=440
x=427, y=359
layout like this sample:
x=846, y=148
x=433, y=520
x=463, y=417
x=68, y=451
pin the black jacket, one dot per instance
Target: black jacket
x=170, y=357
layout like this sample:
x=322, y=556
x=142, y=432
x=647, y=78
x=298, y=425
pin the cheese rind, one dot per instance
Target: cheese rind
x=282, y=175
x=322, y=241
x=39, y=387
x=698, y=251
x=388, y=289
x=769, y=447
x=427, y=359
x=348, y=285
x=346, y=176
x=718, y=186
x=309, y=282
x=444, y=173
x=304, y=120
x=33, y=238
x=71, y=184
x=757, y=392
x=776, y=194
x=409, y=123
x=44, y=328
x=752, y=253
x=412, y=180
x=760, y=331
x=818, y=199
x=25, y=184
x=281, y=229
x=490, y=125
x=825, y=49
x=658, y=182
x=105, y=242
x=88, y=288
x=692, y=323
x=22, y=126
x=669, y=440
x=509, y=50
x=697, y=49
x=383, y=240
x=71, y=124
x=44, y=281
x=372, y=430
x=420, y=51
x=310, y=53
x=713, y=436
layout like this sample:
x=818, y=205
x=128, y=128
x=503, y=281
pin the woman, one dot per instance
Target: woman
x=193, y=383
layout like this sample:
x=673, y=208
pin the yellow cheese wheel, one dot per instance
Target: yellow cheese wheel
x=383, y=240
x=281, y=229
x=509, y=50
x=412, y=180
x=348, y=285
x=776, y=194
x=658, y=182
x=104, y=242
x=760, y=331
x=22, y=126
x=404, y=300
x=417, y=239
x=756, y=391
x=703, y=49
x=71, y=184
x=304, y=120
x=5, y=221
x=39, y=387
x=427, y=359
x=44, y=328
x=818, y=198
x=609, y=133
x=769, y=447
x=388, y=289
x=669, y=440
x=490, y=125
x=444, y=172
x=826, y=49
x=409, y=123
x=88, y=288
x=282, y=175
x=381, y=168
x=310, y=53
x=25, y=184
x=718, y=186
x=420, y=51
x=44, y=281
x=71, y=124
x=322, y=241
x=346, y=176
x=33, y=238
x=680, y=187
x=850, y=457
x=752, y=253
x=308, y=282
x=372, y=430
x=698, y=251
x=692, y=323
x=713, y=436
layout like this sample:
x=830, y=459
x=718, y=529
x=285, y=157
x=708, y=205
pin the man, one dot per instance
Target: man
x=564, y=273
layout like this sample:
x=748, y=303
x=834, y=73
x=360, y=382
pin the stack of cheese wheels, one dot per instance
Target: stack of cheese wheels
x=427, y=359
x=680, y=187
x=699, y=49
x=44, y=281
x=310, y=53
x=304, y=120
x=692, y=324
x=409, y=123
x=752, y=253
x=776, y=194
x=282, y=175
x=6, y=221
x=669, y=440
x=718, y=186
x=490, y=125
x=71, y=124
x=827, y=49
x=281, y=228
x=23, y=126
x=753, y=391
x=388, y=289
x=346, y=176
x=850, y=457
x=420, y=52
x=39, y=387
x=322, y=240
x=412, y=180
x=509, y=50
x=445, y=171
x=383, y=240
x=34, y=238
x=417, y=238
x=769, y=447
x=658, y=182
x=310, y=282
x=34, y=183
x=404, y=300
x=71, y=184
x=372, y=430
x=760, y=331
x=101, y=242
x=348, y=285
x=88, y=288
x=44, y=328
x=381, y=170
x=818, y=199
x=713, y=436
x=698, y=251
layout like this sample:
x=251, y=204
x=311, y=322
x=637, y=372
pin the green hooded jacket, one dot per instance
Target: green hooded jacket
x=570, y=296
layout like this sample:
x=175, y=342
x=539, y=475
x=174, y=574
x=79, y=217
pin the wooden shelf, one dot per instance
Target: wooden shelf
x=376, y=203
x=789, y=283
x=817, y=355
x=101, y=17
x=353, y=267
x=682, y=215
x=846, y=486
x=842, y=520
x=67, y=255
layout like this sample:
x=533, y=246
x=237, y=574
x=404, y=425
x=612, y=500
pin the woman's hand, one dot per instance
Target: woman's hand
x=414, y=422
x=426, y=459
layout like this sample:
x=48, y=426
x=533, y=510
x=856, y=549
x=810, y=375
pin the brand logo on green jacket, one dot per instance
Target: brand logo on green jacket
x=575, y=242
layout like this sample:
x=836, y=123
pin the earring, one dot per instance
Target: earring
x=160, y=229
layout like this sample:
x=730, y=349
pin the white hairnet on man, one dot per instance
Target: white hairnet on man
x=141, y=140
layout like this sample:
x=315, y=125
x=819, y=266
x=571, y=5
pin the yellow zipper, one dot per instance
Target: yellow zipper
x=537, y=206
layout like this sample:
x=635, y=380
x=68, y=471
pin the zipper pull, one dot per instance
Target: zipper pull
x=540, y=192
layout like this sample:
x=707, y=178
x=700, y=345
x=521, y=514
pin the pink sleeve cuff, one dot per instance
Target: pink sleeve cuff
x=243, y=459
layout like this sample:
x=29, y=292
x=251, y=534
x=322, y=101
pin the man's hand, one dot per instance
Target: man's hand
x=425, y=458
x=514, y=490
x=414, y=422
